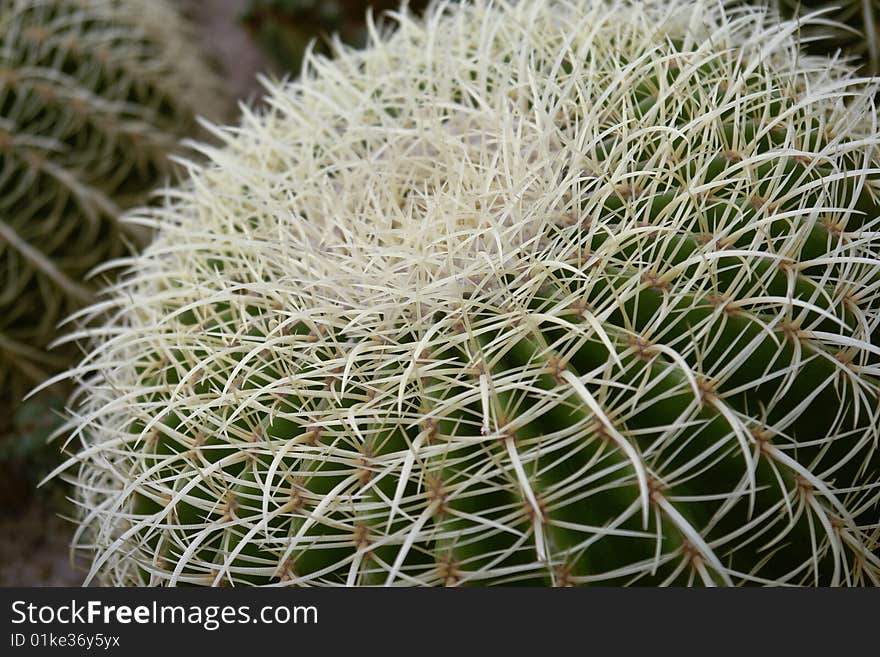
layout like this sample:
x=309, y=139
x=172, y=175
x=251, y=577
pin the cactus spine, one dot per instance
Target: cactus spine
x=549, y=292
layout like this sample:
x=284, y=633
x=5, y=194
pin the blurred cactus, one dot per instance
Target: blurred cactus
x=94, y=97
x=284, y=28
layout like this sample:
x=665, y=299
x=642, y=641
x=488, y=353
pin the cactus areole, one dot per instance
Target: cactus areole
x=549, y=293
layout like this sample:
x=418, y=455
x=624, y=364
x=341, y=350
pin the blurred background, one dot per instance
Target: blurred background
x=246, y=37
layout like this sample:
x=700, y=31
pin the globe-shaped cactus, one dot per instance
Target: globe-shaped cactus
x=95, y=96
x=548, y=292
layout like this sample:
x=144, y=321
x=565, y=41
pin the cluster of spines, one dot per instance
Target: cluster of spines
x=575, y=302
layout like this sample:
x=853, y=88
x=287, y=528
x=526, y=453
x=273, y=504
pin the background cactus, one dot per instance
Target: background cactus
x=94, y=98
x=548, y=292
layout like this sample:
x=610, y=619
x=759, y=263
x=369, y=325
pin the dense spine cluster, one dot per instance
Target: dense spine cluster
x=547, y=292
x=95, y=96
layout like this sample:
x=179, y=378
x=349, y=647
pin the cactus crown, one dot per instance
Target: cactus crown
x=94, y=96
x=549, y=292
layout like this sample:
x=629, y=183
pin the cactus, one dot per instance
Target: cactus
x=536, y=293
x=26, y=456
x=94, y=98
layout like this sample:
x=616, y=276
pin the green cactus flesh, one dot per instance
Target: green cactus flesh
x=540, y=294
x=94, y=97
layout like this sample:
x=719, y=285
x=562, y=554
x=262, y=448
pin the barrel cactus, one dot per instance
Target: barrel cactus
x=94, y=98
x=546, y=293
